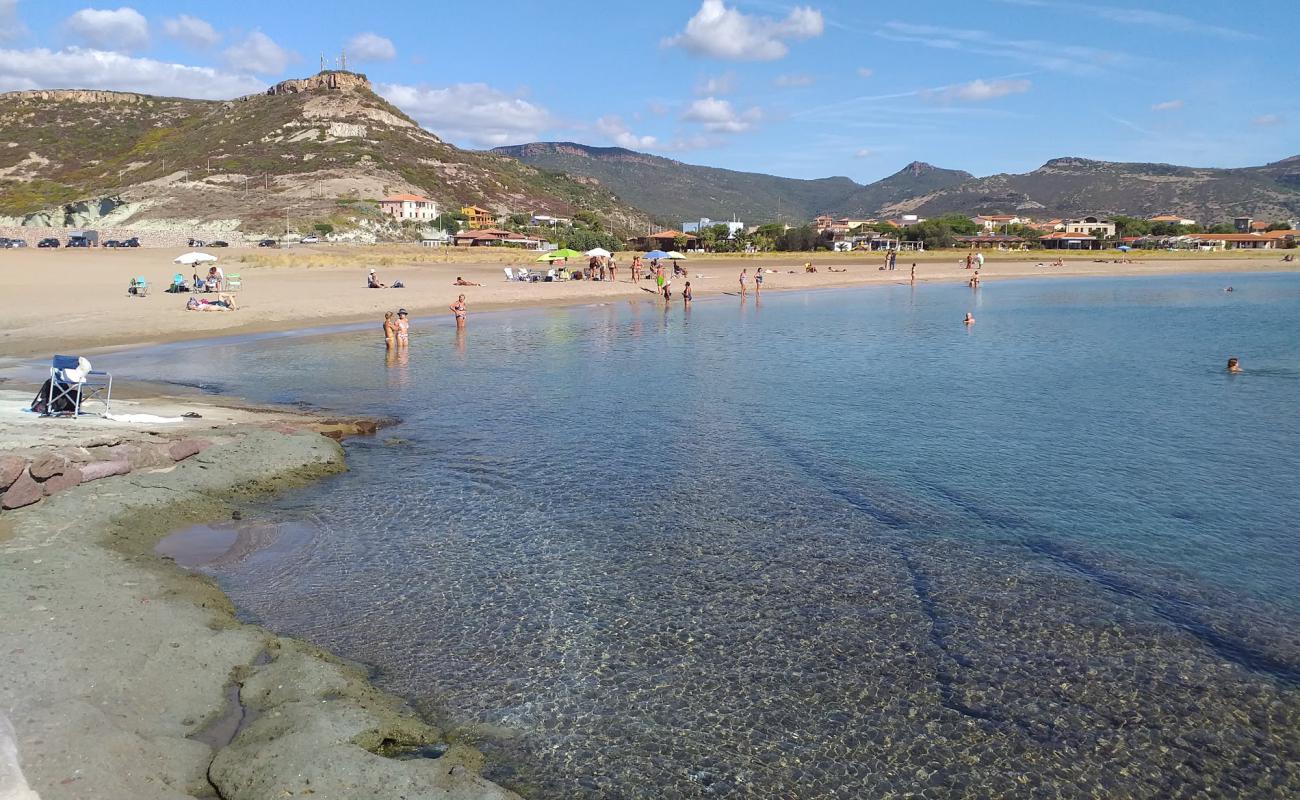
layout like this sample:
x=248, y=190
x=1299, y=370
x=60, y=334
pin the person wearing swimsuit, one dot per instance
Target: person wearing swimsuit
x=403, y=328
x=687, y=294
x=758, y=281
x=390, y=330
x=744, y=282
x=458, y=308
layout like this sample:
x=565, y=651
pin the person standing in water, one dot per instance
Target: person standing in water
x=687, y=295
x=970, y=318
x=913, y=272
x=403, y=326
x=390, y=330
x=458, y=308
x=758, y=281
x=1234, y=366
x=744, y=282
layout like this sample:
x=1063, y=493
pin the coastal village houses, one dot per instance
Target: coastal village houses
x=663, y=240
x=476, y=217
x=409, y=207
x=1103, y=228
x=1171, y=219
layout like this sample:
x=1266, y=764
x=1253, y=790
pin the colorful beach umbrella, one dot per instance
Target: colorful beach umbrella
x=655, y=255
x=673, y=255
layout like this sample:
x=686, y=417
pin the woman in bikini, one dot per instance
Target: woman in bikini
x=390, y=330
x=403, y=326
x=458, y=308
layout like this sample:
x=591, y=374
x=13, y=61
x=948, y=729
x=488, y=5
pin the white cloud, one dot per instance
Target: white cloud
x=718, y=84
x=980, y=90
x=793, y=81
x=718, y=116
x=1267, y=120
x=191, y=30
x=1052, y=55
x=122, y=30
x=259, y=54
x=473, y=112
x=722, y=32
x=11, y=25
x=1168, y=105
x=863, y=153
x=371, y=47
x=865, y=72
x=77, y=68
x=617, y=131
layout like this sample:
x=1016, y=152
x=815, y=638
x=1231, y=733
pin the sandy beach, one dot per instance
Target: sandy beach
x=57, y=300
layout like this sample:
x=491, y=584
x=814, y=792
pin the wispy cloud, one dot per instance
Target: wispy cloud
x=865, y=72
x=1054, y=56
x=1153, y=20
x=864, y=152
x=1133, y=126
x=793, y=81
x=1168, y=105
x=1267, y=120
x=979, y=90
x=717, y=84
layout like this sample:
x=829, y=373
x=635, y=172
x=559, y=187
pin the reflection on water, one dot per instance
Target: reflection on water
x=837, y=546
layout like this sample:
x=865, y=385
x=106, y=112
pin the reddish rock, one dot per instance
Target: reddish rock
x=179, y=451
x=64, y=480
x=49, y=465
x=10, y=468
x=141, y=456
x=23, y=492
x=104, y=469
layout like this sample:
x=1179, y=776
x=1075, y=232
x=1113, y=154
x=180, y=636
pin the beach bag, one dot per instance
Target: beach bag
x=62, y=405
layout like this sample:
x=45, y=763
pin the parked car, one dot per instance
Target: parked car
x=48, y=243
x=4, y=241
x=132, y=242
x=17, y=242
x=78, y=242
x=218, y=243
x=111, y=243
x=266, y=243
x=197, y=243
x=310, y=240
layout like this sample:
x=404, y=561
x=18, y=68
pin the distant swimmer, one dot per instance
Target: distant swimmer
x=970, y=320
x=1234, y=365
x=1228, y=289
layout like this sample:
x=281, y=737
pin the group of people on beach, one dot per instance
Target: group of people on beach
x=397, y=327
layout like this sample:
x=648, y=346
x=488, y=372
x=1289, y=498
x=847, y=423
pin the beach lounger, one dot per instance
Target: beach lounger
x=510, y=274
x=234, y=282
x=72, y=385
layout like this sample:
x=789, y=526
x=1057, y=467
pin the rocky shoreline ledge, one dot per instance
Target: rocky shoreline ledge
x=126, y=676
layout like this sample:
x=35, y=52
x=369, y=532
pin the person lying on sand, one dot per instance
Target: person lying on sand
x=222, y=303
x=841, y=269
x=462, y=282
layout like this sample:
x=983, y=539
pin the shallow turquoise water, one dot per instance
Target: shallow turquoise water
x=834, y=544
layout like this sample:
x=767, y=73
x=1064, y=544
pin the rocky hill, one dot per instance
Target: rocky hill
x=677, y=192
x=314, y=149
x=1066, y=186
x=1061, y=187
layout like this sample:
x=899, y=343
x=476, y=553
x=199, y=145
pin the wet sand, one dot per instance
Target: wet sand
x=58, y=300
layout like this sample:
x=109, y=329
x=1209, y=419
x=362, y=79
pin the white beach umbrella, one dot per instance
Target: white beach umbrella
x=598, y=252
x=673, y=255
x=194, y=258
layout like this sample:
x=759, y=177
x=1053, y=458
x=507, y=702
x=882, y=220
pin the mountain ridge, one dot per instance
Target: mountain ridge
x=1062, y=186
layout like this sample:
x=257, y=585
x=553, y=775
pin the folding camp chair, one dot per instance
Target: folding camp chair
x=178, y=284
x=234, y=282
x=139, y=287
x=69, y=387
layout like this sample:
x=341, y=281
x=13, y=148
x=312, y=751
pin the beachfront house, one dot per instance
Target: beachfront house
x=1234, y=241
x=993, y=222
x=733, y=226
x=999, y=241
x=1065, y=240
x=1171, y=219
x=1097, y=226
x=663, y=240
x=409, y=207
x=494, y=237
x=476, y=217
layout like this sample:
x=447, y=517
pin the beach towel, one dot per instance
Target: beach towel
x=144, y=419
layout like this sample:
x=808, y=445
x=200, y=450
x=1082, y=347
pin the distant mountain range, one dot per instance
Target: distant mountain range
x=675, y=191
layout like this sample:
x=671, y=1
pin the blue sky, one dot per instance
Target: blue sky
x=809, y=90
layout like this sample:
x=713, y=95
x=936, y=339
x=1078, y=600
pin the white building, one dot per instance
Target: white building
x=409, y=206
x=733, y=227
x=1091, y=225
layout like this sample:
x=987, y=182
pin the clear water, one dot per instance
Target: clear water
x=836, y=544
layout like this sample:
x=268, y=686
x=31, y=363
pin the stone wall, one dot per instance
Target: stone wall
x=148, y=238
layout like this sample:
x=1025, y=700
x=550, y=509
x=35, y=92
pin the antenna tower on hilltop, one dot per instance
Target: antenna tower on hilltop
x=343, y=60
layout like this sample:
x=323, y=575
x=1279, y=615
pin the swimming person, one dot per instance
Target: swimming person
x=970, y=318
x=403, y=328
x=390, y=330
x=1234, y=365
x=744, y=282
x=458, y=308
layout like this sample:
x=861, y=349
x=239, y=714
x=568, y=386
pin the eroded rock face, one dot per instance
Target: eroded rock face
x=331, y=80
x=23, y=492
x=49, y=465
x=10, y=468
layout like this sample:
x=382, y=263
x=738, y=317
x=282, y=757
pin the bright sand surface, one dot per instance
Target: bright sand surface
x=56, y=300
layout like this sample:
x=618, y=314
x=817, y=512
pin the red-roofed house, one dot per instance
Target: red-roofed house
x=1064, y=240
x=1171, y=218
x=663, y=240
x=1236, y=241
x=409, y=206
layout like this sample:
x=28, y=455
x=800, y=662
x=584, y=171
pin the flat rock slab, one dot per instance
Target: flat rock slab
x=104, y=469
x=10, y=468
x=48, y=465
x=23, y=492
x=179, y=451
x=64, y=480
